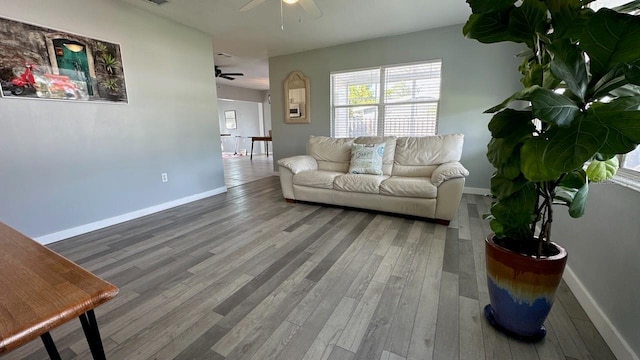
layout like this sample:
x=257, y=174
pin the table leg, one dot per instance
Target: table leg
x=266, y=142
x=91, y=332
x=251, y=157
x=50, y=346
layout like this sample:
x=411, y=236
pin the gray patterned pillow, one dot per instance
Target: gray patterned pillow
x=366, y=159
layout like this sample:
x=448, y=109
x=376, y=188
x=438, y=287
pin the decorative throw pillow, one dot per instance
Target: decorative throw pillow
x=366, y=159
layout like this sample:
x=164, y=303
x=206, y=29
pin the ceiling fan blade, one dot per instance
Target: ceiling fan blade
x=311, y=8
x=227, y=77
x=251, y=4
x=233, y=74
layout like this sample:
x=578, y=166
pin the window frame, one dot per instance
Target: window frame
x=380, y=100
x=627, y=177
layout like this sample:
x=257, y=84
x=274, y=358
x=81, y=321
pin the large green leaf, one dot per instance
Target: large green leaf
x=622, y=126
x=485, y=6
x=610, y=81
x=528, y=20
x=515, y=213
x=579, y=203
x=573, y=190
x=599, y=171
x=567, y=18
x=632, y=74
x=499, y=151
x=630, y=103
x=553, y=108
x=569, y=148
x=574, y=180
x=489, y=27
x=611, y=38
x=524, y=94
x=549, y=81
x=627, y=90
x=511, y=122
x=503, y=187
x=532, y=73
x=510, y=169
x=531, y=161
x=568, y=65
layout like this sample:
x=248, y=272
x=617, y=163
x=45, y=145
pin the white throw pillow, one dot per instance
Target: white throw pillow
x=366, y=159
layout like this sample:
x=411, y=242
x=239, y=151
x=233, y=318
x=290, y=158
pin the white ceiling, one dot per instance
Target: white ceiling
x=253, y=36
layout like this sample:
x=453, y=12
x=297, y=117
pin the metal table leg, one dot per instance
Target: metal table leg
x=251, y=157
x=91, y=332
x=50, y=346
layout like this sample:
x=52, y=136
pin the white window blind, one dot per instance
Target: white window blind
x=392, y=100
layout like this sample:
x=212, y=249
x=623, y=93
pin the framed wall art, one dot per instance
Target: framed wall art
x=42, y=63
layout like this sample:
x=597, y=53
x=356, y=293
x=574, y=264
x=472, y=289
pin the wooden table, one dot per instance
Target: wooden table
x=42, y=290
x=266, y=139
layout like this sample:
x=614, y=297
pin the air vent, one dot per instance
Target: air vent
x=158, y=2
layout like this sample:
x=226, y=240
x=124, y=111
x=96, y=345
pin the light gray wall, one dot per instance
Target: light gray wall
x=604, y=247
x=474, y=77
x=67, y=164
x=236, y=93
x=248, y=125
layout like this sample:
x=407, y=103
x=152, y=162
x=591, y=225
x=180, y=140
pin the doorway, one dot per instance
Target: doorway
x=235, y=139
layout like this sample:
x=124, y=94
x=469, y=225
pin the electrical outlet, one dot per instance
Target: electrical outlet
x=165, y=177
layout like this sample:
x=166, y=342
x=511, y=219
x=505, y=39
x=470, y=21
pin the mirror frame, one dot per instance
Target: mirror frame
x=230, y=119
x=296, y=80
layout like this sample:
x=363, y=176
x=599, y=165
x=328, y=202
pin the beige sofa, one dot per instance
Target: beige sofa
x=422, y=176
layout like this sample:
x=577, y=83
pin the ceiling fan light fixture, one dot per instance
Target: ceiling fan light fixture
x=290, y=2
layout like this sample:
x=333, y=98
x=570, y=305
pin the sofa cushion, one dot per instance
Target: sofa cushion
x=409, y=186
x=425, y=153
x=361, y=183
x=366, y=159
x=318, y=179
x=389, y=149
x=332, y=154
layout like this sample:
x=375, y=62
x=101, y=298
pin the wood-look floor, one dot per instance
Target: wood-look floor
x=245, y=275
x=242, y=169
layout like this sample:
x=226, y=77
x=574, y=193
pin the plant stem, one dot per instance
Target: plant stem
x=537, y=212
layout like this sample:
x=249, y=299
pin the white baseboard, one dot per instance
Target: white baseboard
x=610, y=334
x=83, y=229
x=476, y=191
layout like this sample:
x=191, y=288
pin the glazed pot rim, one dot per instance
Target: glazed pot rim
x=561, y=254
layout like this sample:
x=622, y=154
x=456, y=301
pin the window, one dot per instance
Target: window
x=400, y=100
x=631, y=160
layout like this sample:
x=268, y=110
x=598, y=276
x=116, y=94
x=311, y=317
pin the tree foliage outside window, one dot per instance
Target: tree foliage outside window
x=400, y=100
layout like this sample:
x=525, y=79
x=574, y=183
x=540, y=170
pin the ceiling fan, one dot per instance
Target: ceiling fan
x=224, y=75
x=309, y=6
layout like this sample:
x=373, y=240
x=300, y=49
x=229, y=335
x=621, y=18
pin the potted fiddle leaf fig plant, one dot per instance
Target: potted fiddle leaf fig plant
x=578, y=109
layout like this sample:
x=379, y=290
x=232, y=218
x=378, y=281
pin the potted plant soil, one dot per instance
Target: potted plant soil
x=578, y=109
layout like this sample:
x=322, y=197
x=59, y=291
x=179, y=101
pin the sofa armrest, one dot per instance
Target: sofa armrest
x=298, y=164
x=447, y=171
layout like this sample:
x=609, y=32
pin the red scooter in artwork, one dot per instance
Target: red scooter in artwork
x=60, y=84
x=23, y=82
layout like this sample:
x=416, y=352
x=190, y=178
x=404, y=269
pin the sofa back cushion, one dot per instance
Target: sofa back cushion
x=389, y=149
x=332, y=154
x=419, y=156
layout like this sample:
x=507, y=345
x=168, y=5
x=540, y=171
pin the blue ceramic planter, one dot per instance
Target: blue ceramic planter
x=522, y=289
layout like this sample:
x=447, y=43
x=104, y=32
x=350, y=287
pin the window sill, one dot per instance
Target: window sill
x=627, y=178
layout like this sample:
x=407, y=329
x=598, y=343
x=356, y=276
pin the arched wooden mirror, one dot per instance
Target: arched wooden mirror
x=296, y=99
